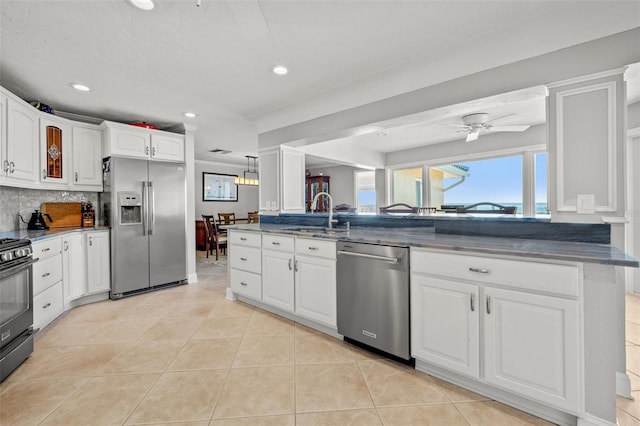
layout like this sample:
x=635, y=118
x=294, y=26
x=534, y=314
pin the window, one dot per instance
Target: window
x=516, y=180
x=496, y=180
x=541, y=183
x=366, y=191
x=407, y=186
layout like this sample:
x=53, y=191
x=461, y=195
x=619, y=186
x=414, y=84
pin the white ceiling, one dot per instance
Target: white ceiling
x=214, y=59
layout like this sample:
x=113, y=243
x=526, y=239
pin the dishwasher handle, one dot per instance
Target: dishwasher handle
x=370, y=256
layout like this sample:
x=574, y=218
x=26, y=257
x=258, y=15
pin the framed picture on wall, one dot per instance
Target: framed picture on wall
x=219, y=187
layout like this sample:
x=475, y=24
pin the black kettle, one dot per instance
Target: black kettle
x=37, y=221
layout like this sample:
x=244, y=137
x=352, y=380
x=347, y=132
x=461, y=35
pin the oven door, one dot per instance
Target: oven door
x=16, y=295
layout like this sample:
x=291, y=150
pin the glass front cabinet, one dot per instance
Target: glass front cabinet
x=54, y=149
x=315, y=184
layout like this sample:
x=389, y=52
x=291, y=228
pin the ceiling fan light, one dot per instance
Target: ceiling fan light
x=472, y=136
x=142, y=4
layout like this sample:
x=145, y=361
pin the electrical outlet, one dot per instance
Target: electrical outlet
x=586, y=204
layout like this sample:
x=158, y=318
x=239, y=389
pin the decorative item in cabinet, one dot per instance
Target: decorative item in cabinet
x=315, y=184
x=54, y=152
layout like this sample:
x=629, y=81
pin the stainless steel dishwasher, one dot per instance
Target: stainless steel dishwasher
x=373, y=296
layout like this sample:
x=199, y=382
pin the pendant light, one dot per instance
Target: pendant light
x=252, y=179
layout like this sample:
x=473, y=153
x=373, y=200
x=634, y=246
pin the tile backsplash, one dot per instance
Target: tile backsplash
x=14, y=201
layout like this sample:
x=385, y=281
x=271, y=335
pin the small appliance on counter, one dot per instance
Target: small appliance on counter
x=88, y=215
x=37, y=222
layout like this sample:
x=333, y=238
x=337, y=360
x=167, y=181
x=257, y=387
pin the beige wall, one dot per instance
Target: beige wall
x=247, y=195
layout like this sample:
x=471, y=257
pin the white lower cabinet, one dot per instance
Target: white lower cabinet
x=531, y=346
x=70, y=267
x=47, y=306
x=315, y=289
x=74, y=268
x=47, y=281
x=444, y=324
x=298, y=274
x=278, y=278
x=245, y=263
x=98, y=263
x=513, y=339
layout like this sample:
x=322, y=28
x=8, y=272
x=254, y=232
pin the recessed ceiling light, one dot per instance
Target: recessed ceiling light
x=279, y=69
x=142, y=4
x=79, y=86
x=189, y=114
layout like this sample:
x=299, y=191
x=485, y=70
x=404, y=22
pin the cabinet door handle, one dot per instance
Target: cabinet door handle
x=46, y=306
x=153, y=152
x=275, y=243
x=146, y=150
x=244, y=259
x=242, y=283
x=46, y=249
x=243, y=239
x=76, y=176
x=44, y=174
x=6, y=166
x=489, y=305
x=90, y=241
x=480, y=270
x=46, y=275
x=290, y=264
x=313, y=248
x=66, y=245
x=295, y=265
x=472, y=301
x=12, y=168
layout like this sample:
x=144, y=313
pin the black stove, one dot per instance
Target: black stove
x=13, y=250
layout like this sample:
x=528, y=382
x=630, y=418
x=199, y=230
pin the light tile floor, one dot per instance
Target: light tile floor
x=187, y=356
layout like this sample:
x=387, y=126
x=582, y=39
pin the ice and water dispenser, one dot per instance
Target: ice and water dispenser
x=130, y=204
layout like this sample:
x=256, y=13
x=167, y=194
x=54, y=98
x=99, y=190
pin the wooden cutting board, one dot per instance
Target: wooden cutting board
x=64, y=215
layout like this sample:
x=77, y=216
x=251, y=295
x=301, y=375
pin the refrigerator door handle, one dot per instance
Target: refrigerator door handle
x=152, y=207
x=144, y=208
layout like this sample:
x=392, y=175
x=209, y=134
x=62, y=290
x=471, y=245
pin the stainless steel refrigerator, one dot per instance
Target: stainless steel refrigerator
x=144, y=204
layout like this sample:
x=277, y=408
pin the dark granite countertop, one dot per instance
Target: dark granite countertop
x=52, y=232
x=427, y=238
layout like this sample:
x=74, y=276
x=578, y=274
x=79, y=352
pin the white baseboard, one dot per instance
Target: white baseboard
x=623, y=385
x=231, y=295
x=589, y=420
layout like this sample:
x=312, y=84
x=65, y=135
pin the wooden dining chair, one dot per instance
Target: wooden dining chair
x=212, y=237
x=227, y=218
x=253, y=217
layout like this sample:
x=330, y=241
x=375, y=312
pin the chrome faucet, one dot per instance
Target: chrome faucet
x=314, y=205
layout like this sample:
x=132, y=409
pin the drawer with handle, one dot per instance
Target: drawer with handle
x=277, y=242
x=547, y=277
x=246, y=284
x=246, y=259
x=46, y=273
x=47, y=306
x=49, y=247
x=316, y=247
x=251, y=239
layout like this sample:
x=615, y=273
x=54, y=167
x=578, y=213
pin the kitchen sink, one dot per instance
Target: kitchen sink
x=320, y=230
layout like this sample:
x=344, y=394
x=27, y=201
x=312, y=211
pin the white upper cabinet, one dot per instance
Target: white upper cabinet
x=87, y=157
x=167, y=147
x=129, y=141
x=126, y=141
x=21, y=161
x=44, y=151
x=55, y=150
x=282, y=184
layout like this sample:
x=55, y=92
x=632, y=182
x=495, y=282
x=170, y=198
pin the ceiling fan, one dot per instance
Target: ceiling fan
x=479, y=122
